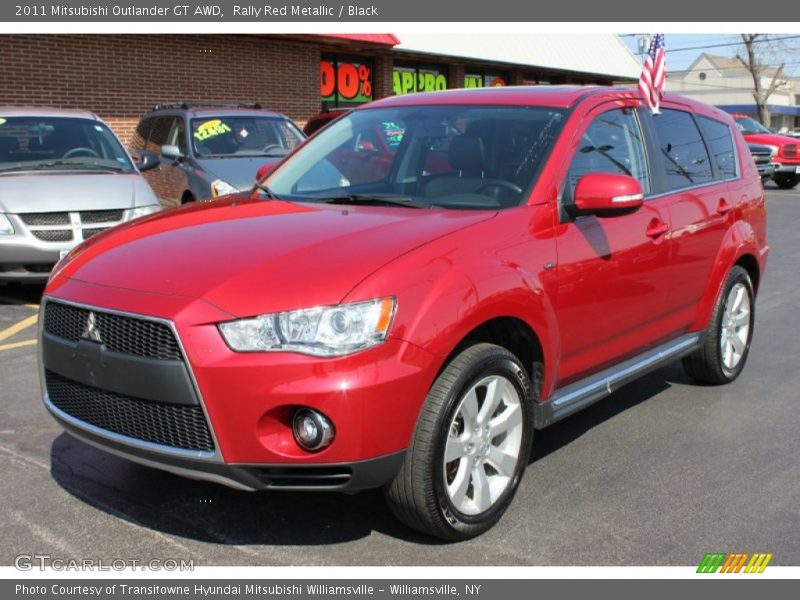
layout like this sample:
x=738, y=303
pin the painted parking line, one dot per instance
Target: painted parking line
x=14, y=330
x=17, y=345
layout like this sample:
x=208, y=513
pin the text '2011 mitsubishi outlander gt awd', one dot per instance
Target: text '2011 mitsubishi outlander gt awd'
x=413, y=292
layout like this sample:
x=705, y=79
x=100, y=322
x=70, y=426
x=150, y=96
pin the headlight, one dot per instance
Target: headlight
x=6, y=228
x=140, y=211
x=320, y=331
x=774, y=149
x=221, y=188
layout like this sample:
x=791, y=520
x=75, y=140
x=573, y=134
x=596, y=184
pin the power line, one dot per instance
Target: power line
x=756, y=41
x=722, y=45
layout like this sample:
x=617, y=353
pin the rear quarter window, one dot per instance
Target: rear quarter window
x=720, y=143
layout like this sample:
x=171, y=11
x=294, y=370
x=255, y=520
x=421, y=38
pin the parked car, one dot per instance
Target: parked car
x=412, y=331
x=762, y=157
x=209, y=151
x=64, y=177
x=785, y=154
x=320, y=120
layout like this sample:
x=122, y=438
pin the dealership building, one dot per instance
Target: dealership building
x=119, y=77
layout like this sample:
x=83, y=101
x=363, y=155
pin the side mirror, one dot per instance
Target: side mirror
x=170, y=151
x=606, y=195
x=147, y=160
x=265, y=170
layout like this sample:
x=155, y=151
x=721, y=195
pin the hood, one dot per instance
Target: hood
x=250, y=256
x=239, y=172
x=44, y=192
x=772, y=139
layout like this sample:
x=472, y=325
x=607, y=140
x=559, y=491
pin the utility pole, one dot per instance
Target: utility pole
x=644, y=43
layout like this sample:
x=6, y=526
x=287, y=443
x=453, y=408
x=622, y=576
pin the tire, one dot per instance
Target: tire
x=432, y=495
x=786, y=181
x=718, y=361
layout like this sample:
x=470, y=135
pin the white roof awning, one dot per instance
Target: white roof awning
x=601, y=54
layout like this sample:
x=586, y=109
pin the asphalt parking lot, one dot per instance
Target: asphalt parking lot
x=659, y=473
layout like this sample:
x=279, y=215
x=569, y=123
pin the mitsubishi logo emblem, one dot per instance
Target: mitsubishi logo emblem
x=90, y=331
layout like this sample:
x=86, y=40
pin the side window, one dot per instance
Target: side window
x=141, y=133
x=720, y=142
x=289, y=135
x=159, y=134
x=611, y=144
x=683, y=153
x=177, y=135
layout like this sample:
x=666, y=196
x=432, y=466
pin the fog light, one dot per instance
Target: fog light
x=312, y=430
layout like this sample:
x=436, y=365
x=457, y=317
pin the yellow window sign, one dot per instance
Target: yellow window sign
x=211, y=129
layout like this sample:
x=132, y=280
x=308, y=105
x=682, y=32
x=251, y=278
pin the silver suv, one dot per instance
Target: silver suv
x=64, y=177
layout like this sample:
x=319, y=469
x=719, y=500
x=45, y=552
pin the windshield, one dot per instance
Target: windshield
x=748, y=125
x=473, y=156
x=59, y=143
x=242, y=136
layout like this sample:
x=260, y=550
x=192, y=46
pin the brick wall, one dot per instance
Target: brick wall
x=122, y=76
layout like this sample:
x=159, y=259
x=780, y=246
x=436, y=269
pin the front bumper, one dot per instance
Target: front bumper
x=338, y=477
x=788, y=167
x=766, y=171
x=372, y=398
x=24, y=258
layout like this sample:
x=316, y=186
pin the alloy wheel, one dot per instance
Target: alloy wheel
x=483, y=445
x=735, y=330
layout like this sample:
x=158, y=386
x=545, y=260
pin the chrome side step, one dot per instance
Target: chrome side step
x=575, y=396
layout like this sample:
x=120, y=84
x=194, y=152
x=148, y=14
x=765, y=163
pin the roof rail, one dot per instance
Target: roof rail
x=207, y=104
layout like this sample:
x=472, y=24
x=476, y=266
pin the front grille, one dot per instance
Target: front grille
x=174, y=425
x=127, y=335
x=59, y=218
x=53, y=235
x=87, y=233
x=101, y=216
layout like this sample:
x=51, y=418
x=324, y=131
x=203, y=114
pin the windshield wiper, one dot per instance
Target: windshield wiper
x=269, y=193
x=385, y=199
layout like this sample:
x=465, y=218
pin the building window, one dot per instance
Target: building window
x=410, y=77
x=479, y=79
x=344, y=80
x=702, y=76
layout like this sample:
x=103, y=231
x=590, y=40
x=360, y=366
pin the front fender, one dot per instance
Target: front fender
x=446, y=299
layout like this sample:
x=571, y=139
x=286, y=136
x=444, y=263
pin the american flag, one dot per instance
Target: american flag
x=654, y=73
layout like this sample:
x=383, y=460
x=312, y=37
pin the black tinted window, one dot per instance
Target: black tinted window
x=682, y=150
x=141, y=133
x=159, y=133
x=720, y=142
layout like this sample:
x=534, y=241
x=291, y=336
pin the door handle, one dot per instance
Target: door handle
x=723, y=207
x=656, y=228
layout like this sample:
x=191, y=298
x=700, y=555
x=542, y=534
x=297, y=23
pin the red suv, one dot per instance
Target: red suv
x=785, y=155
x=516, y=255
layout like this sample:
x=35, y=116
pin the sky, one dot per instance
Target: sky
x=682, y=49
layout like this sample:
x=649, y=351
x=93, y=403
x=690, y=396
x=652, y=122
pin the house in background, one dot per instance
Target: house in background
x=726, y=83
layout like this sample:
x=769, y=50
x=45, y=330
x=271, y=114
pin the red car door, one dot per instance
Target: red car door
x=612, y=292
x=697, y=169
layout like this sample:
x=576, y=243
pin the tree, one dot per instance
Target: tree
x=757, y=47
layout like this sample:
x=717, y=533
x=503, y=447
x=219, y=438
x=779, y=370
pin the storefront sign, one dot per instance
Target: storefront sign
x=412, y=79
x=485, y=80
x=345, y=81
